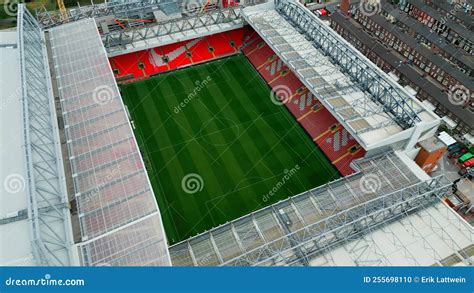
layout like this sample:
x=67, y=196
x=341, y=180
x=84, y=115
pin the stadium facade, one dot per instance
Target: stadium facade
x=76, y=190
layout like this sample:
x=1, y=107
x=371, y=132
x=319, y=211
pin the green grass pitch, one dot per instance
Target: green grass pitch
x=216, y=122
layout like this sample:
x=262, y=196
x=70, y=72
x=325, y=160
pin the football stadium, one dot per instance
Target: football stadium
x=215, y=133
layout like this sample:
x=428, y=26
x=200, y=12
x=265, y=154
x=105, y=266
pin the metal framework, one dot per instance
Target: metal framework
x=48, y=209
x=292, y=231
x=369, y=77
x=48, y=19
x=336, y=90
x=117, y=40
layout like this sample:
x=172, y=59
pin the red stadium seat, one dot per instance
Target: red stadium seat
x=177, y=55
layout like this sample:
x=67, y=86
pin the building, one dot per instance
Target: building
x=422, y=53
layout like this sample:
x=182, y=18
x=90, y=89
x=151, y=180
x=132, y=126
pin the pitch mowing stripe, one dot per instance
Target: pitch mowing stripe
x=230, y=153
x=185, y=156
x=240, y=113
x=254, y=131
x=189, y=206
x=199, y=105
x=190, y=112
x=230, y=157
x=150, y=109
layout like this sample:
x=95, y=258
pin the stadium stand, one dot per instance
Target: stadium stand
x=138, y=65
x=337, y=144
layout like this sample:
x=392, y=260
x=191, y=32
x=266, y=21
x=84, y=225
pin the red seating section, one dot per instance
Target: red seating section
x=338, y=145
x=141, y=64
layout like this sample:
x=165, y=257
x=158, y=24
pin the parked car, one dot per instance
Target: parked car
x=465, y=157
x=457, y=154
x=468, y=163
x=453, y=146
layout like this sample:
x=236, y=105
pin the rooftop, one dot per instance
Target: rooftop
x=13, y=191
x=116, y=205
x=405, y=69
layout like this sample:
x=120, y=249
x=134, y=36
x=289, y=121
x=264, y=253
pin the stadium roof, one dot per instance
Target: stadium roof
x=118, y=214
x=374, y=119
x=13, y=195
x=171, y=31
x=434, y=235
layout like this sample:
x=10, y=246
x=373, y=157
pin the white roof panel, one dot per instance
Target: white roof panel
x=13, y=192
x=110, y=181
